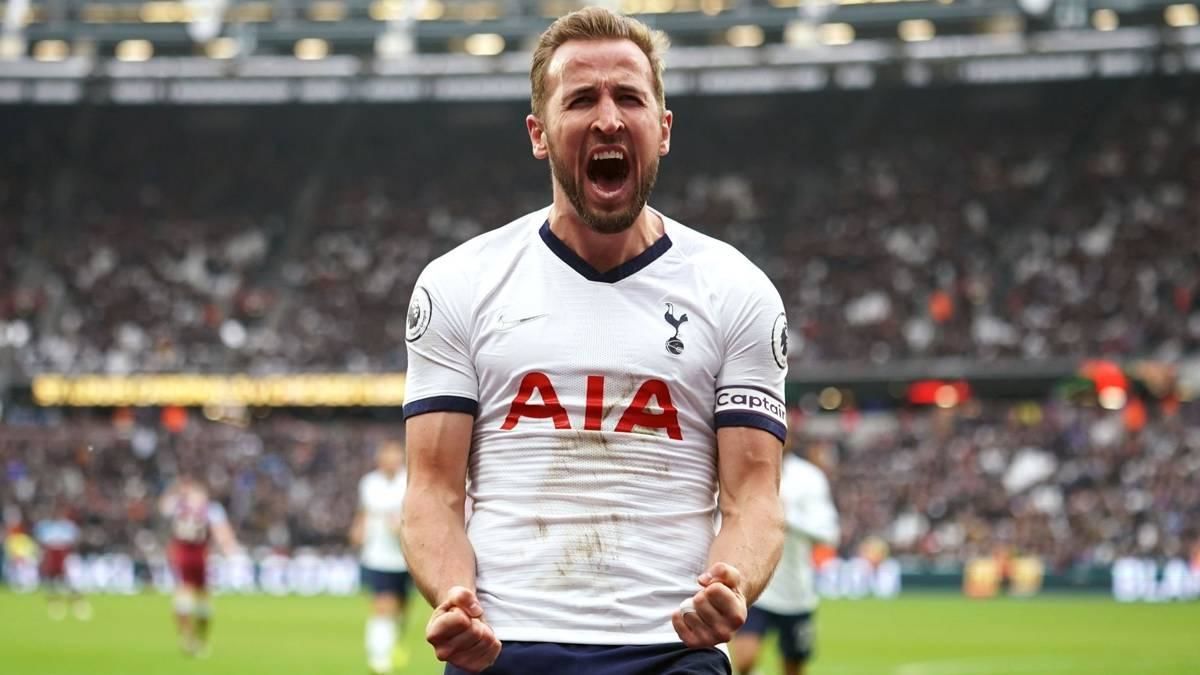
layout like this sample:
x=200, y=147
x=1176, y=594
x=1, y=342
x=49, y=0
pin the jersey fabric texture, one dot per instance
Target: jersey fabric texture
x=382, y=502
x=597, y=397
x=811, y=517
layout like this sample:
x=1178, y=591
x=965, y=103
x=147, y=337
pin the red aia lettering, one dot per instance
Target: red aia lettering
x=550, y=407
x=639, y=413
x=595, y=403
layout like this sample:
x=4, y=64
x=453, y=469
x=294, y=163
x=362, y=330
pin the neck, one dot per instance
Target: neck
x=603, y=251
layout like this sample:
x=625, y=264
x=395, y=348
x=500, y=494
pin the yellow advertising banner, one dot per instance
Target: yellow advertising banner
x=336, y=390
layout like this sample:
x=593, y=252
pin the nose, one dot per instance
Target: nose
x=608, y=117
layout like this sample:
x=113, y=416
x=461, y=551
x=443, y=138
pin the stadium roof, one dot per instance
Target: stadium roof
x=248, y=51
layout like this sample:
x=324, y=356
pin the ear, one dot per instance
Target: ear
x=537, y=136
x=664, y=146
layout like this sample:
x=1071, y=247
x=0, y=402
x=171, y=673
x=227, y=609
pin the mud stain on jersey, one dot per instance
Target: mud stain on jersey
x=624, y=396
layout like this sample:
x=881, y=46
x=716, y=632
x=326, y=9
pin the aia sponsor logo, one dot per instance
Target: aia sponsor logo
x=650, y=408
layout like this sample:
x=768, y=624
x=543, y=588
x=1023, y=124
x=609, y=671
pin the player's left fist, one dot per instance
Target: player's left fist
x=715, y=612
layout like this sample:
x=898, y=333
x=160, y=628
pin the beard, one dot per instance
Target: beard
x=602, y=223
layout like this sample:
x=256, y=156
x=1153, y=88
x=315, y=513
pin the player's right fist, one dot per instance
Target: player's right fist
x=459, y=634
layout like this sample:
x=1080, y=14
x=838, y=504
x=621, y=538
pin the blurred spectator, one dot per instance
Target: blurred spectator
x=969, y=222
x=1075, y=485
x=282, y=480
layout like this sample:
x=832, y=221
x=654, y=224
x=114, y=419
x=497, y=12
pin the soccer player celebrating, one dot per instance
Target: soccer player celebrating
x=58, y=537
x=788, y=603
x=376, y=530
x=195, y=519
x=608, y=379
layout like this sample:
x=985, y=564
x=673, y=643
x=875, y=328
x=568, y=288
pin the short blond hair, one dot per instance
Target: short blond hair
x=596, y=23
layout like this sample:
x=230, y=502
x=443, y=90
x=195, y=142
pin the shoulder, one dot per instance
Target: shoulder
x=451, y=282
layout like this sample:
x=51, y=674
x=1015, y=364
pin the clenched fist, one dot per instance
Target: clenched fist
x=459, y=634
x=717, y=610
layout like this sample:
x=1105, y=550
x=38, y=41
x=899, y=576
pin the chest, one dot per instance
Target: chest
x=553, y=321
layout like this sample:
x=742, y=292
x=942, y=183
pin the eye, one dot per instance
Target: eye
x=631, y=98
x=579, y=101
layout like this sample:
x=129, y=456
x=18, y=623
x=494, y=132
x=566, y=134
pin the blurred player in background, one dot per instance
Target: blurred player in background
x=376, y=530
x=789, y=603
x=58, y=536
x=600, y=369
x=195, y=520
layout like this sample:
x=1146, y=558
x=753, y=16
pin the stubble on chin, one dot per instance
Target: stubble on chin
x=602, y=223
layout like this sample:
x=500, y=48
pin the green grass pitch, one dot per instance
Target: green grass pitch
x=913, y=635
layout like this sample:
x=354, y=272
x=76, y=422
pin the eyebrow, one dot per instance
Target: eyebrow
x=619, y=87
x=582, y=89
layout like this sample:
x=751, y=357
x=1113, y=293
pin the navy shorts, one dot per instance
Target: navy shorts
x=380, y=582
x=549, y=658
x=796, y=631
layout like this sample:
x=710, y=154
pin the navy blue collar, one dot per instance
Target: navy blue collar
x=625, y=269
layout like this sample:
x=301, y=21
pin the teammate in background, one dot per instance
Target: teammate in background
x=789, y=602
x=376, y=530
x=599, y=370
x=195, y=520
x=58, y=537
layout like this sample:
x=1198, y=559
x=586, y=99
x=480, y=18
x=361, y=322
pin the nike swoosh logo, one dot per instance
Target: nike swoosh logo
x=504, y=324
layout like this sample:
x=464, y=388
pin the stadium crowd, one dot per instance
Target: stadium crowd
x=897, y=224
x=1072, y=484
x=285, y=483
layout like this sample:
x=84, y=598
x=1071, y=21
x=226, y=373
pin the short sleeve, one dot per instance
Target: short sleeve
x=216, y=513
x=750, y=384
x=441, y=370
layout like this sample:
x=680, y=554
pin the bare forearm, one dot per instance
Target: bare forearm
x=751, y=539
x=436, y=547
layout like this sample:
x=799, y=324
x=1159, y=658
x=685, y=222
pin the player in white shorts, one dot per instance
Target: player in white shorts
x=376, y=529
x=601, y=373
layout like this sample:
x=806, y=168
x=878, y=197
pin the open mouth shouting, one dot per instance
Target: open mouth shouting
x=609, y=173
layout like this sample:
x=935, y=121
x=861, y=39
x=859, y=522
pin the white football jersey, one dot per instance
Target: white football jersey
x=593, y=465
x=382, y=502
x=811, y=517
